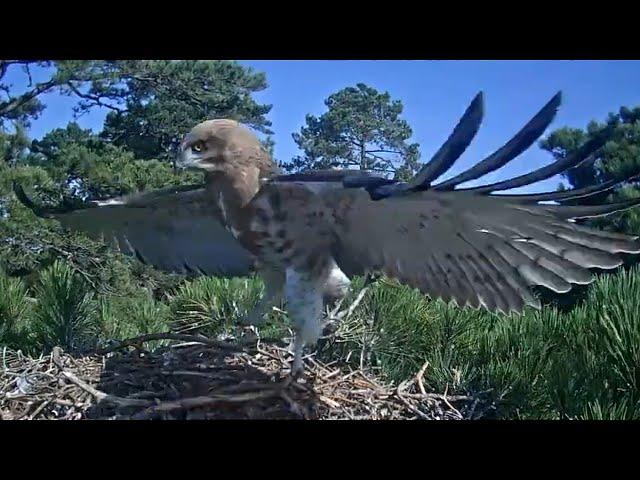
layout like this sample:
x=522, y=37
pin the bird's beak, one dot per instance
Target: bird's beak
x=186, y=158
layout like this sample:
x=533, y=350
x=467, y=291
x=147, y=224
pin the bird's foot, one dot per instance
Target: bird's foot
x=297, y=365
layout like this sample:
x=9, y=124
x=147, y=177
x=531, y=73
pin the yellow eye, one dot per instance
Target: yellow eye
x=197, y=147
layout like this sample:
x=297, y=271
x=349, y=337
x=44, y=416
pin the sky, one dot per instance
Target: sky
x=434, y=95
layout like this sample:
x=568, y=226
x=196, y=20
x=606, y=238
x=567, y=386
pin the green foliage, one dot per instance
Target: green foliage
x=13, y=146
x=155, y=102
x=14, y=310
x=50, y=148
x=65, y=313
x=24, y=239
x=210, y=305
x=362, y=128
x=23, y=106
x=86, y=166
x=68, y=76
x=584, y=363
x=130, y=316
x=619, y=157
x=30, y=175
x=36, y=176
x=29, y=243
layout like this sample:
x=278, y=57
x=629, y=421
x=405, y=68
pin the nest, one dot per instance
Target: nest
x=193, y=377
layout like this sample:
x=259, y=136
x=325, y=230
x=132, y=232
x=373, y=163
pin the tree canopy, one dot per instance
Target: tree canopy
x=151, y=105
x=361, y=128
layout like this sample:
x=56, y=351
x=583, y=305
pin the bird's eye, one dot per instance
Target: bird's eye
x=197, y=147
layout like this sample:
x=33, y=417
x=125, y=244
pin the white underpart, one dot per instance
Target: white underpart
x=337, y=283
x=304, y=305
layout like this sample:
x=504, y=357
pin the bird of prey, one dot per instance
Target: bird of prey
x=306, y=234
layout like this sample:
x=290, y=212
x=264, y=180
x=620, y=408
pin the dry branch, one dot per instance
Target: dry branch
x=167, y=336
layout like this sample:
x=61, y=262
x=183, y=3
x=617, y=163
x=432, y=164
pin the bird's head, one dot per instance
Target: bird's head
x=219, y=145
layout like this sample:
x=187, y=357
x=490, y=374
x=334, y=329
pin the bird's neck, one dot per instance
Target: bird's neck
x=231, y=191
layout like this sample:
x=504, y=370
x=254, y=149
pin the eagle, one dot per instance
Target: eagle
x=308, y=234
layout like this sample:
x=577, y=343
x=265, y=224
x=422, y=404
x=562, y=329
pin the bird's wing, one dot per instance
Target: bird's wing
x=477, y=250
x=470, y=245
x=174, y=229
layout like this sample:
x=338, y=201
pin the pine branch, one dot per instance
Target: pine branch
x=96, y=99
x=7, y=107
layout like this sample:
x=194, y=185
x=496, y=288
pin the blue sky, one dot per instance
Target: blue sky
x=434, y=94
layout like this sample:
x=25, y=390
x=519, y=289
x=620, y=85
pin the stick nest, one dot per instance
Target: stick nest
x=192, y=377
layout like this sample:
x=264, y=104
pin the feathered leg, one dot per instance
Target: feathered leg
x=304, y=291
x=337, y=284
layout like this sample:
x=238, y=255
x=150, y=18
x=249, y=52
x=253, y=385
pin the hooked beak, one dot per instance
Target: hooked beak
x=186, y=158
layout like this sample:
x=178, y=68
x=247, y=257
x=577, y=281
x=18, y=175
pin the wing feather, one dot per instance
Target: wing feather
x=471, y=245
x=469, y=248
x=174, y=229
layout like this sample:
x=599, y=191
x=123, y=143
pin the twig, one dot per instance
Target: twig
x=268, y=354
x=438, y=396
x=100, y=396
x=400, y=395
x=445, y=400
x=473, y=408
x=170, y=336
x=332, y=374
x=335, y=314
x=353, y=306
x=328, y=401
x=332, y=313
x=201, y=402
x=419, y=376
x=41, y=407
x=104, y=397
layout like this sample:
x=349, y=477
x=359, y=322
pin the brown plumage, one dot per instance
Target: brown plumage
x=303, y=232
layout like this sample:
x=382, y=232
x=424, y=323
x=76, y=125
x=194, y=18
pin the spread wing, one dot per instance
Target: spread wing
x=174, y=229
x=477, y=250
x=470, y=245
